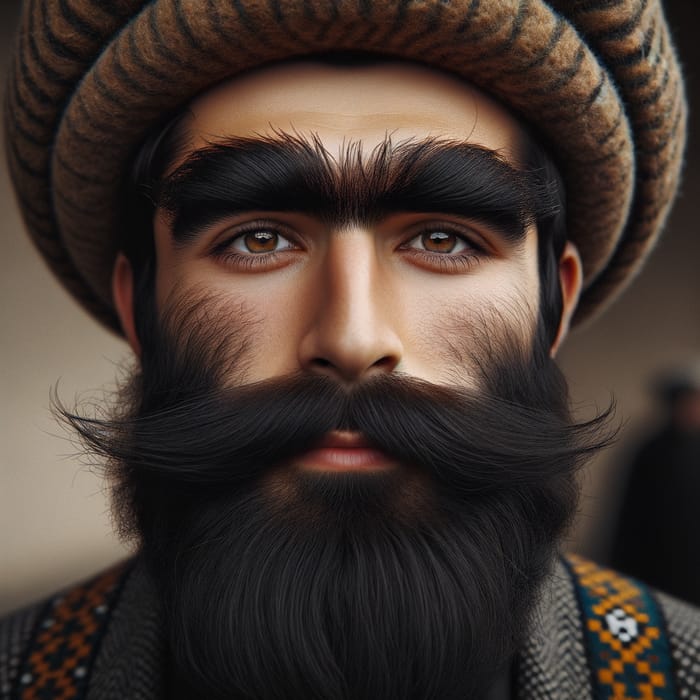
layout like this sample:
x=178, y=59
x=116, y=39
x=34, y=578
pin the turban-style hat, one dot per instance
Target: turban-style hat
x=597, y=79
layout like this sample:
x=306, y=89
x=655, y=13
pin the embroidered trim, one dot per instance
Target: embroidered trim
x=628, y=652
x=66, y=639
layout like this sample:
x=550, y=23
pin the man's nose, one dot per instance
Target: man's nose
x=353, y=330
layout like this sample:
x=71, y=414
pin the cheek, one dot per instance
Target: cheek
x=273, y=351
x=449, y=331
x=265, y=314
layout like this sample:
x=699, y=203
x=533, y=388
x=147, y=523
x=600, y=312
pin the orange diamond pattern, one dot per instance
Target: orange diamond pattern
x=66, y=640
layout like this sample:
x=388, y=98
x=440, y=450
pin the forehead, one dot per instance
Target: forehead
x=364, y=103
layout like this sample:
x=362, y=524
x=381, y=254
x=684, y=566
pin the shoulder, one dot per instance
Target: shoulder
x=635, y=635
x=597, y=632
x=53, y=643
x=683, y=630
x=15, y=632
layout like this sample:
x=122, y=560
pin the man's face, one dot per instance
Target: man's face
x=350, y=299
x=347, y=454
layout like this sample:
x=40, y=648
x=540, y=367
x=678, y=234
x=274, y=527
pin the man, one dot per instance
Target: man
x=344, y=258
x=657, y=525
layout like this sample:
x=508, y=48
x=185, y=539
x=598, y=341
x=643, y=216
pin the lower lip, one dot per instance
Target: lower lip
x=345, y=459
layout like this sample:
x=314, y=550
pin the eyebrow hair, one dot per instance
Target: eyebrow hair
x=291, y=173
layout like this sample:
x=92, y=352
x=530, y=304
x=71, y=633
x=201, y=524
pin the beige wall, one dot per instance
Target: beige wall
x=54, y=516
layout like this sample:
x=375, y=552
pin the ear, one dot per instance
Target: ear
x=123, y=296
x=570, y=281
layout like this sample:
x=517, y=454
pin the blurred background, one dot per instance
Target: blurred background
x=54, y=514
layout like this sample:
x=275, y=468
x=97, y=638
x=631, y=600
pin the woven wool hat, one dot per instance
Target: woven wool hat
x=597, y=78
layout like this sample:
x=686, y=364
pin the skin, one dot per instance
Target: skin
x=359, y=301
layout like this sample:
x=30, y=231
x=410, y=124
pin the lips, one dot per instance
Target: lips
x=344, y=451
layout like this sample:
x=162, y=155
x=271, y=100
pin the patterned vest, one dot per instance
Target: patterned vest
x=626, y=643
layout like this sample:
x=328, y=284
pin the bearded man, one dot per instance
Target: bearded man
x=345, y=241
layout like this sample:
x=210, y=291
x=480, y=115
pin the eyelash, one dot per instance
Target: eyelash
x=227, y=255
x=445, y=262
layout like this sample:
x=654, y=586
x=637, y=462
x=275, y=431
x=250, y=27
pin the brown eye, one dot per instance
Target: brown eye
x=261, y=241
x=439, y=241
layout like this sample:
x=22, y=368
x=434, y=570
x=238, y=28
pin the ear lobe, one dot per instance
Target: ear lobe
x=123, y=295
x=571, y=282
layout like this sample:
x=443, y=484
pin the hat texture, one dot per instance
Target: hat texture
x=597, y=79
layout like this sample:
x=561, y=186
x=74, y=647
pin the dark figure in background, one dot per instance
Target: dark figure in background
x=658, y=534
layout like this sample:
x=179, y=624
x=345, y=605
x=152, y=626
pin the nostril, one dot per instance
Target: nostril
x=321, y=362
x=385, y=364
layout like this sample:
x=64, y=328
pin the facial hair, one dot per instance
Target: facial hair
x=278, y=583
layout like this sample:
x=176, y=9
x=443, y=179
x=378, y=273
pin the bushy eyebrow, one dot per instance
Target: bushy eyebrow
x=290, y=173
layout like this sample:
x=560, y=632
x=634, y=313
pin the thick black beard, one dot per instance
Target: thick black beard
x=279, y=584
